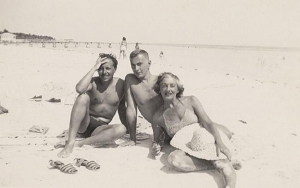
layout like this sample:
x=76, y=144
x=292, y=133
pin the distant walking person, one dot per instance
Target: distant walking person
x=161, y=55
x=123, y=48
x=137, y=46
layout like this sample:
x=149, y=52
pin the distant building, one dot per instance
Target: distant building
x=8, y=37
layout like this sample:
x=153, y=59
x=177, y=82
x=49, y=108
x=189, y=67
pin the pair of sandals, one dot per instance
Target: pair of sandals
x=70, y=169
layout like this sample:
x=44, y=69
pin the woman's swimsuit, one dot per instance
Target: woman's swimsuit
x=123, y=46
x=172, y=127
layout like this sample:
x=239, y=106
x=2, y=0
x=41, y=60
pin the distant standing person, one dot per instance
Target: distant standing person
x=137, y=46
x=161, y=55
x=123, y=48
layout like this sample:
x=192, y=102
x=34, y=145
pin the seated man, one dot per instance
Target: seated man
x=139, y=92
x=99, y=99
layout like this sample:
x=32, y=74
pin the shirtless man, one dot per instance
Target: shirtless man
x=139, y=91
x=99, y=99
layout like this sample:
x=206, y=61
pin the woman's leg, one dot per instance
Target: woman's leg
x=226, y=169
x=186, y=163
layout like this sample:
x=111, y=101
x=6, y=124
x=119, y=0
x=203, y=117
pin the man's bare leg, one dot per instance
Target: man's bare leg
x=103, y=134
x=79, y=121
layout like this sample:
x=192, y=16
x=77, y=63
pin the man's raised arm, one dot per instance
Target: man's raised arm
x=84, y=84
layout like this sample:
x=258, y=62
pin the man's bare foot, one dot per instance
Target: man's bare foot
x=66, y=152
x=68, y=148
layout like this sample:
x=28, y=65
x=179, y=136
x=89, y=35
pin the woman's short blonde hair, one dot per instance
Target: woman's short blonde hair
x=163, y=76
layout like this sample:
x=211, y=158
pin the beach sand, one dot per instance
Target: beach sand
x=253, y=93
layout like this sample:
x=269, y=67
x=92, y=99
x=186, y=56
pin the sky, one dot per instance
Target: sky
x=212, y=22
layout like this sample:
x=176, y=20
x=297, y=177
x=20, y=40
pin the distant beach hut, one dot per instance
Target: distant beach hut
x=54, y=45
x=98, y=45
x=87, y=44
x=8, y=37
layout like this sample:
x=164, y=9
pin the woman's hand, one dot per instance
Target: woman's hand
x=155, y=149
x=222, y=148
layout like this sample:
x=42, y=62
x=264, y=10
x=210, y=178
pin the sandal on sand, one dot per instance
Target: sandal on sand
x=3, y=110
x=91, y=165
x=68, y=168
x=54, y=100
x=36, y=98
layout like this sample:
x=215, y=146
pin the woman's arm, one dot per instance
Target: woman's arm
x=158, y=136
x=209, y=125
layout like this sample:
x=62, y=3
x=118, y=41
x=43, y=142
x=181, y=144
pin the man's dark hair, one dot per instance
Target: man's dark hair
x=112, y=57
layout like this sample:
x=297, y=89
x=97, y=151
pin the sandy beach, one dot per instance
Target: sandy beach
x=255, y=93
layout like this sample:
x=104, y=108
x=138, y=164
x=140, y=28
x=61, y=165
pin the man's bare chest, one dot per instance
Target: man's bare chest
x=109, y=96
x=144, y=95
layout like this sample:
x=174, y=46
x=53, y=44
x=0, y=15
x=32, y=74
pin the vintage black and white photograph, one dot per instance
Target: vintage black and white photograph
x=143, y=94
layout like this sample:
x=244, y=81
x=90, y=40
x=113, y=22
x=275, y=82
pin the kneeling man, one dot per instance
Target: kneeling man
x=99, y=99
